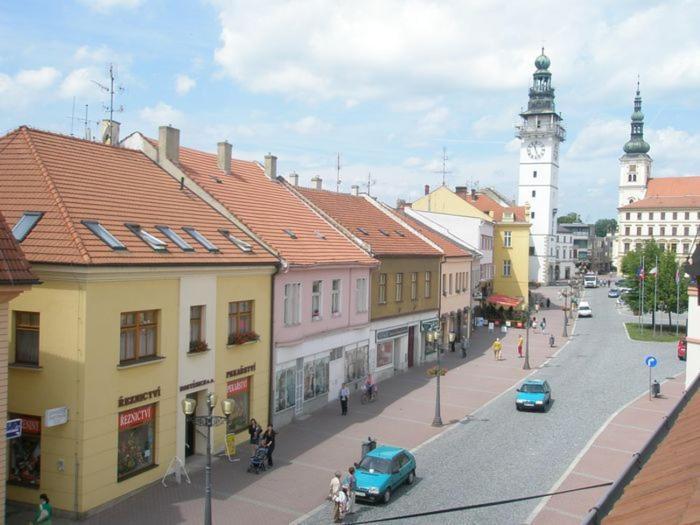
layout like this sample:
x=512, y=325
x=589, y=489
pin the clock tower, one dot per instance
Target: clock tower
x=540, y=133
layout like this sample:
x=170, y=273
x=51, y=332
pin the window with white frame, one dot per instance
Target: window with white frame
x=507, y=241
x=399, y=287
x=335, y=296
x=506, y=268
x=316, y=291
x=427, y=291
x=292, y=304
x=361, y=295
x=414, y=286
x=382, y=288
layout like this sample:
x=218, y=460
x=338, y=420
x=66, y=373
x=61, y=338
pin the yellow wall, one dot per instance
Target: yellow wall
x=444, y=200
x=405, y=265
x=517, y=284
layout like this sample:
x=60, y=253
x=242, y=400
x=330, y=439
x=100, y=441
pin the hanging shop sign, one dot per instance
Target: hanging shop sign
x=195, y=384
x=390, y=334
x=240, y=371
x=429, y=325
x=130, y=400
x=56, y=416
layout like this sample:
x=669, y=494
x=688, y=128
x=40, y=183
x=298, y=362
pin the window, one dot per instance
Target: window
x=316, y=290
x=639, y=231
x=27, y=338
x=241, y=245
x=687, y=215
x=25, y=453
x=399, y=287
x=385, y=353
x=627, y=230
x=335, y=296
x=451, y=289
x=506, y=268
x=285, y=386
x=201, y=239
x=196, y=325
x=662, y=230
x=135, y=451
x=534, y=193
x=361, y=295
x=356, y=362
x=507, y=241
x=651, y=231
x=686, y=247
x=362, y=231
x=532, y=214
x=458, y=282
x=290, y=233
x=444, y=284
x=240, y=320
x=651, y=215
x=139, y=335
x=638, y=246
x=627, y=247
x=627, y=216
x=686, y=231
x=26, y=224
x=427, y=291
x=151, y=240
x=465, y=287
x=384, y=232
x=639, y=216
x=534, y=174
x=532, y=251
x=663, y=215
x=675, y=216
x=315, y=376
x=175, y=238
x=102, y=234
x=238, y=391
x=414, y=286
x=674, y=230
x=662, y=246
x=674, y=247
x=292, y=304
x=399, y=233
x=382, y=288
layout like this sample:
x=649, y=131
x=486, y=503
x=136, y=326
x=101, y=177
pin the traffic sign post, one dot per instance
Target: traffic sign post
x=651, y=362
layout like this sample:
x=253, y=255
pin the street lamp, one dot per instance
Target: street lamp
x=526, y=364
x=209, y=420
x=434, y=336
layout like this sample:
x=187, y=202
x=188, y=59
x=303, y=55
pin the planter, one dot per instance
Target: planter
x=246, y=337
x=197, y=347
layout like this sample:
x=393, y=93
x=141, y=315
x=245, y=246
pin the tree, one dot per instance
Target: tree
x=569, y=218
x=605, y=226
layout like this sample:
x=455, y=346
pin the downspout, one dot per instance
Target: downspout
x=282, y=265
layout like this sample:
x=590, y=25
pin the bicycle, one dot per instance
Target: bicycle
x=367, y=397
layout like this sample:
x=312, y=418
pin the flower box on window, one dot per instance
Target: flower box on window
x=198, y=346
x=242, y=338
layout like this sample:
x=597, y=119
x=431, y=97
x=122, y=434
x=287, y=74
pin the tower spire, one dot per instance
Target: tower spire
x=636, y=142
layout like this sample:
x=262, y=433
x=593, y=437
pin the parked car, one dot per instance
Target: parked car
x=382, y=471
x=584, y=309
x=535, y=394
x=682, y=348
x=614, y=293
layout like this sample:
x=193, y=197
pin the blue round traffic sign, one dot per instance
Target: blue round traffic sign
x=650, y=361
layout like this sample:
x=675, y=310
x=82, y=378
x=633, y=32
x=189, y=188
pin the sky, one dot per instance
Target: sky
x=385, y=84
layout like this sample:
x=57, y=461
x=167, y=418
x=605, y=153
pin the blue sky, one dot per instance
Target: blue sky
x=385, y=84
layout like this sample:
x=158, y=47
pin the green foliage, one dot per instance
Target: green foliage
x=569, y=218
x=605, y=226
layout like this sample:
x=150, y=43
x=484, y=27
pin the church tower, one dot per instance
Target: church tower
x=540, y=133
x=635, y=164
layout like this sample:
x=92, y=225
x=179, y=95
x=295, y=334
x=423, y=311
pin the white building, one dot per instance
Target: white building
x=565, y=256
x=692, y=367
x=540, y=133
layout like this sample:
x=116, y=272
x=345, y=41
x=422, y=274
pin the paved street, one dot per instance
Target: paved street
x=502, y=453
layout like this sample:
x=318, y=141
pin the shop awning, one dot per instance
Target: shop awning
x=504, y=300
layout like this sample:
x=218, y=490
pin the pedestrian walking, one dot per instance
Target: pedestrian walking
x=341, y=500
x=344, y=396
x=520, y=346
x=268, y=439
x=497, y=348
x=551, y=341
x=334, y=486
x=543, y=324
x=44, y=512
x=534, y=322
x=255, y=431
x=351, y=484
x=537, y=307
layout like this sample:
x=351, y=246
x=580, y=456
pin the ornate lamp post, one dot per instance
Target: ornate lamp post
x=435, y=338
x=208, y=421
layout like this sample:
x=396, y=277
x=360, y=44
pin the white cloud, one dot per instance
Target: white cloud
x=101, y=54
x=494, y=123
x=107, y=5
x=309, y=125
x=183, y=84
x=162, y=114
x=434, y=122
x=26, y=86
x=80, y=83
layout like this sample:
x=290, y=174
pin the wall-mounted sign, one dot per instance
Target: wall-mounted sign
x=393, y=332
x=13, y=428
x=135, y=417
x=240, y=371
x=195, y=384
x=429, y=325
x=56, y=416
x=130, y=400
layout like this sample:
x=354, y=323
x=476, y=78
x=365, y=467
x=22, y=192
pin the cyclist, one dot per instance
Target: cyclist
x=369, y=386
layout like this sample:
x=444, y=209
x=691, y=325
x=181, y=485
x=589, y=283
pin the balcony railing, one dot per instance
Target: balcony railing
x=525, y=131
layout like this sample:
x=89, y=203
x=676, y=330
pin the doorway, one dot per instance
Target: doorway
x=411, y=338
x=190, y=432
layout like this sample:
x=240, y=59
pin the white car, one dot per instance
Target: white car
x=584, y=309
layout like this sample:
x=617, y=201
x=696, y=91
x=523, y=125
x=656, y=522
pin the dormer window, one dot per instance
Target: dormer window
x=242, y=245
x=104, y=235
x=26, y=224
x=399, y=233
x=153, y=242
x=201, y=239
x=175, y=238
x=384, y=232
x=290, y=233
x=362, y=231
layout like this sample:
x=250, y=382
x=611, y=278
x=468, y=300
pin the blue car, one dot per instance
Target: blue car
x=382, y=471
x=534, y=394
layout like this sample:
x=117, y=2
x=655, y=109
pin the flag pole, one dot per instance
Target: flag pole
x=641, y=297
x=656, y=281
x=678, y=297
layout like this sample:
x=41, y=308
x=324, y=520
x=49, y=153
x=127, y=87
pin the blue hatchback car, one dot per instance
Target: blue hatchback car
x=382, y=471
x=533, y=394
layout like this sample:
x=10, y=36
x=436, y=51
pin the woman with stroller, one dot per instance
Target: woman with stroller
x=255, y=431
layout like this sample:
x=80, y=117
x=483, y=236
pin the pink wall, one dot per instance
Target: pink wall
x=348, y=311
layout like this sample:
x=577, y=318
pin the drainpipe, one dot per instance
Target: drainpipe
x=271, y=387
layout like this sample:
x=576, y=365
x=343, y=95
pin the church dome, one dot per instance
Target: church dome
x=636, y=145
x=542, y=61
x=637, y=116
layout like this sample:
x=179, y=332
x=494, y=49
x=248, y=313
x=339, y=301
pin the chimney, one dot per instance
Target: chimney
x=169, y=144
x=109, y=132
x=223, y=156
x=271, y=166
x=294, y=178
x=427, y=189
x=355, y=189
x=474, y=197
x=318, y=182
x=461, y=191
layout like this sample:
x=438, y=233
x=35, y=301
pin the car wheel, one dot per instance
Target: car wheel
x=518, y=408
x=411, y=477
x=387, y=496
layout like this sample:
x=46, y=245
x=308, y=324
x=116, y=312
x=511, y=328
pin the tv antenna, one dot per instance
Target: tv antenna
x=444, y=169
x=112, y=90
x=370, y=182
x=337, y=173
x=472, y=184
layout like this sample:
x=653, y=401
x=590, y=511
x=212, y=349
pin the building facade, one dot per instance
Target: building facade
x=565, y=255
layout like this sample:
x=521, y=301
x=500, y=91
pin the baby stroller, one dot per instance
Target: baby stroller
x=257, y=460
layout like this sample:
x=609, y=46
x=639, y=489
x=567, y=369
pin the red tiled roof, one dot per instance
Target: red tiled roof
x=667, y=488
x=451, y=248
x=72, y=180
x=669, y=192
x=14, y=267
x=486, y=204
x=356, y=213
x=268, y=208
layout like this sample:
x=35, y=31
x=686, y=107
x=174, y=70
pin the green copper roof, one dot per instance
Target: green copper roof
x=638, y=116
x=636, y=143
x=542, y=61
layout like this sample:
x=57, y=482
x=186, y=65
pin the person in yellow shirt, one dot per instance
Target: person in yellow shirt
x=520, y=346
x=497, y=348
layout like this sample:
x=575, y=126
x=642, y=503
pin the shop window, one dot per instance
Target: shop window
x=316, y=291
x=139, y=335
x=238, y=391
x=382, y=288
x=292, y=304
x=136, y=445
x=385, y=353
x=335, y=296
x=25, y=453
x=414, y=286
x=399, y=287
x=315, y=377
x=356, y=362
x=427, y=291
x=240, y=322
x=284, y=379
x=361, y=295
x=27, y=338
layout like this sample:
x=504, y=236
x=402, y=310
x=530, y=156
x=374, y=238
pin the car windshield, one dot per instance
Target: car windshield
x=532, y=389
x=379, y=465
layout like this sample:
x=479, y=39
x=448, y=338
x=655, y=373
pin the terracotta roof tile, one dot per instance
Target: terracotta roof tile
x=14, y=267
x=669, y=192
x=366, y=222
x=486, y=204
x=451, y=248
x=72, y=180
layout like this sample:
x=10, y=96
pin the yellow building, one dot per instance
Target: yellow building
x=148, y=297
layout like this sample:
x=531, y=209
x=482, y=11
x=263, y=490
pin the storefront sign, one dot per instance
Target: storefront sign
x=130, y=400
x=390, y=334
x=135, y=417
x=240, y=385
x=31, y=425
x=13, y=428
x=429, y=325
x=56, y=416
x=195, y=384
x=240, y=371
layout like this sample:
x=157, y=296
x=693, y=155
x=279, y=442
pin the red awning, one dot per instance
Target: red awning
x=504, y=300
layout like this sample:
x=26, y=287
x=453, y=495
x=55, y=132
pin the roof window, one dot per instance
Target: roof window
x=242, y=245
x=175, y=238
x=26, y=224
x=152, y=241
x=201, y=239
x=384, y=232
x=290, y=233
x=400, y=233
x=104, y=235
x=320, y=235
x=362, y=230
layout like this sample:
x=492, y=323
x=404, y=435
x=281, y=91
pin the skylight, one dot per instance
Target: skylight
x=152, y=241
x=242, y=245
x=362, y=230
x=175, y=238
x=26, y=224
x=399, y=233
x=384, y=232
x=319, y=235
x=201, y=239
x=104, y=235
x=290, y=233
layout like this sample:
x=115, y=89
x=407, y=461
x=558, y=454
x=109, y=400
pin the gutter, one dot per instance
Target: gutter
x=272, y=368
x=605, y=504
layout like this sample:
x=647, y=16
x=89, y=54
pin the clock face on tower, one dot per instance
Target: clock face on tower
x=535, y=150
